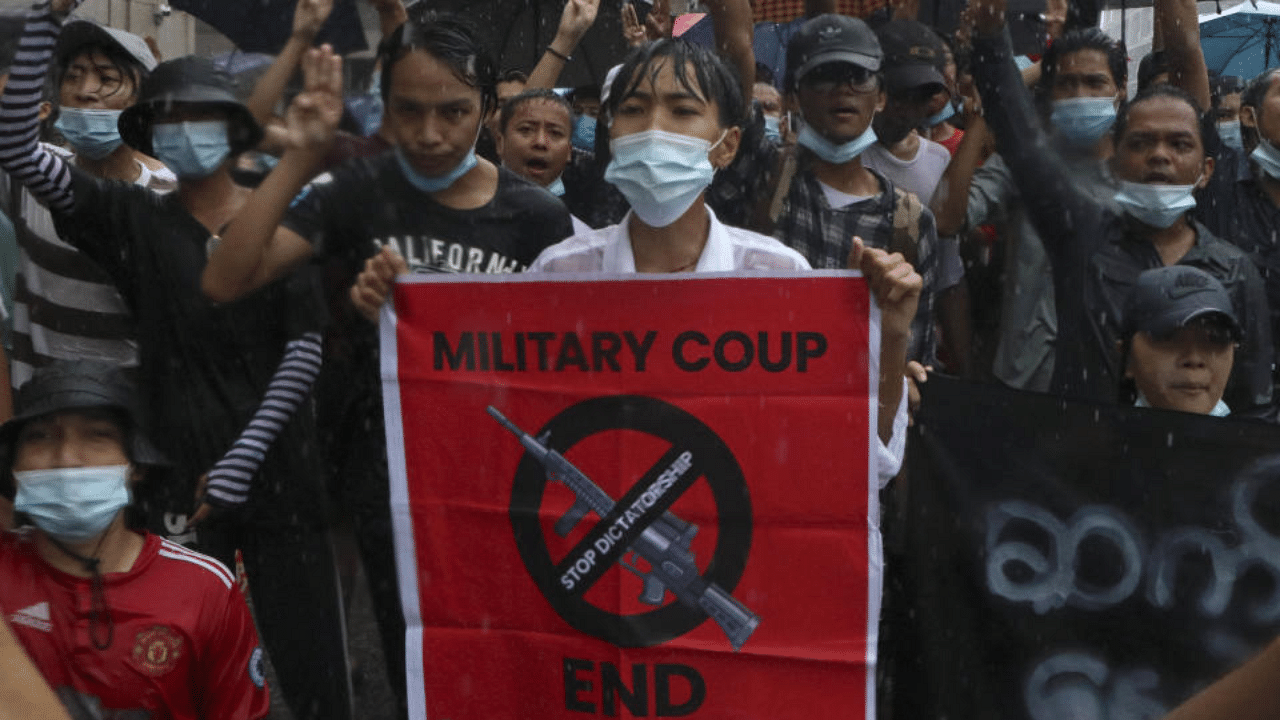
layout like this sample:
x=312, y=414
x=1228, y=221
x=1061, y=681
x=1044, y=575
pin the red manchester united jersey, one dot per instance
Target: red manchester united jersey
x=183, y=645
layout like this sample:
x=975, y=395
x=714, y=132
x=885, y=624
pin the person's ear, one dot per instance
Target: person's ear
x=882, y=98
x=134, y=476
x=1249, y=116
x=46, y=109
x=1206, y=172
x=723, y=153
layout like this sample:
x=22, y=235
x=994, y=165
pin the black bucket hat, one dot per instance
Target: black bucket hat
x=76, y=385
x=188, y=79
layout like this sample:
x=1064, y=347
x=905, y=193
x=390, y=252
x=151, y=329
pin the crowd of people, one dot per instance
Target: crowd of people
x=191, y=335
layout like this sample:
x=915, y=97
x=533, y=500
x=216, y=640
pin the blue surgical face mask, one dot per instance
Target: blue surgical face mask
x=660, y=173
x=192, y=149
x=73, y=505
x=947, y=112
x=1082, y=121
x=1229, y=131
x=1159, y=206
x=773, y=128
x=836, y=154
x=584, y=133
x=92, y=133
x=1268, y=158
x=429, y=184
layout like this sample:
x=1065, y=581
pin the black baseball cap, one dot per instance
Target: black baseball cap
x=76, y=385
x=914, y=55
x=1166, y=299
x=829, y=39
x=194, y=80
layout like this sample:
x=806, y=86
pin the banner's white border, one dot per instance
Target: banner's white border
x=401, y=519
x=402, y=522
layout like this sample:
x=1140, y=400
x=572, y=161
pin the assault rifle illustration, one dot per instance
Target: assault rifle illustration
x=665, y=544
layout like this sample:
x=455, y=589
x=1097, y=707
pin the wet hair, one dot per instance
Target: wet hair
x=1222, y=86
x=1159, y=91
x=701, y=71
x=447, y=38
x=585, y=92
x=1083, y=39
x=512, y=75
x=121, y=61
x=510, y=107
x=1252, y=96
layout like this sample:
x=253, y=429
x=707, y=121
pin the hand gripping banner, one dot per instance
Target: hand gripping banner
x=635, y=496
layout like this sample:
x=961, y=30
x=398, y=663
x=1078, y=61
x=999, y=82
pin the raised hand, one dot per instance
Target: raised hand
x=313, y=116
x=988, y=16
x=309, y=15
x=658, y=24
x=575, y=21
x=633, y=33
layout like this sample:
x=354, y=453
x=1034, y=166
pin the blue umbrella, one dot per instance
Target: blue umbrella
x=1244, y=40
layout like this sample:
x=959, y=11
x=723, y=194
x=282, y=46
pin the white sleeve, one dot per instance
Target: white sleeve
x=889, y=455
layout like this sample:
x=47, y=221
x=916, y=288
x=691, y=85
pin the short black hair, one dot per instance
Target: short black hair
x=512, y=75
x=712, y=77
x=1084, y=39
x=1256, y=90
x=1159, y=91
x=510, y=107
x=449, y=39
x=120, y=60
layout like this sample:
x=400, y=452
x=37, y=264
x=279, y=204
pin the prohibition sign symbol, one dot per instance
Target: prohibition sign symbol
x=715, y=462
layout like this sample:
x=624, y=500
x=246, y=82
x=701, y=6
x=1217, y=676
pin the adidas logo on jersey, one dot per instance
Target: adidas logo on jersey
x=36, y=616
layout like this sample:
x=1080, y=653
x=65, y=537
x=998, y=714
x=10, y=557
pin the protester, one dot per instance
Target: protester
x=769, y=100
x=207, y=367
x=820, y=196
x=1179, y=339
x=1081, y=86
x=117, y=620
x=1096, y=252
x=66, y=306
x=914, y=57
x=1225, y=95
x=533, y=142
x=431, y=197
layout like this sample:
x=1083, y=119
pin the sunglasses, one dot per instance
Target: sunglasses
x=826, y=78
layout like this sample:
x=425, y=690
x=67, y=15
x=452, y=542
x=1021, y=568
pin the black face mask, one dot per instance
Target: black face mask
x=890, y=131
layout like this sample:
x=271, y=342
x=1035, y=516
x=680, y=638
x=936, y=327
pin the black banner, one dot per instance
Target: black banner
x=1051, y=560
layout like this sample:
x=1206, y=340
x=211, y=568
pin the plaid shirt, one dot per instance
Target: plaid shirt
x=822, y=234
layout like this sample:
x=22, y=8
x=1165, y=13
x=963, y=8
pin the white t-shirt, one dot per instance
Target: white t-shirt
x=919, y=176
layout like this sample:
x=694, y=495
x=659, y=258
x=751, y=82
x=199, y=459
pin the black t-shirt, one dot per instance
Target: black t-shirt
x=353, y=211
x=203, y=367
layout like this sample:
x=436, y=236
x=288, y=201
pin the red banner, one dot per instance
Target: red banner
x=635, y=496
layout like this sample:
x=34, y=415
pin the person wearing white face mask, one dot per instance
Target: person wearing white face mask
x=1080, y=89
x=1098, y=249
x=112, y=617
x=209, y=366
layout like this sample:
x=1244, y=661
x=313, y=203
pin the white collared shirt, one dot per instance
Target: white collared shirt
x=727, y=249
